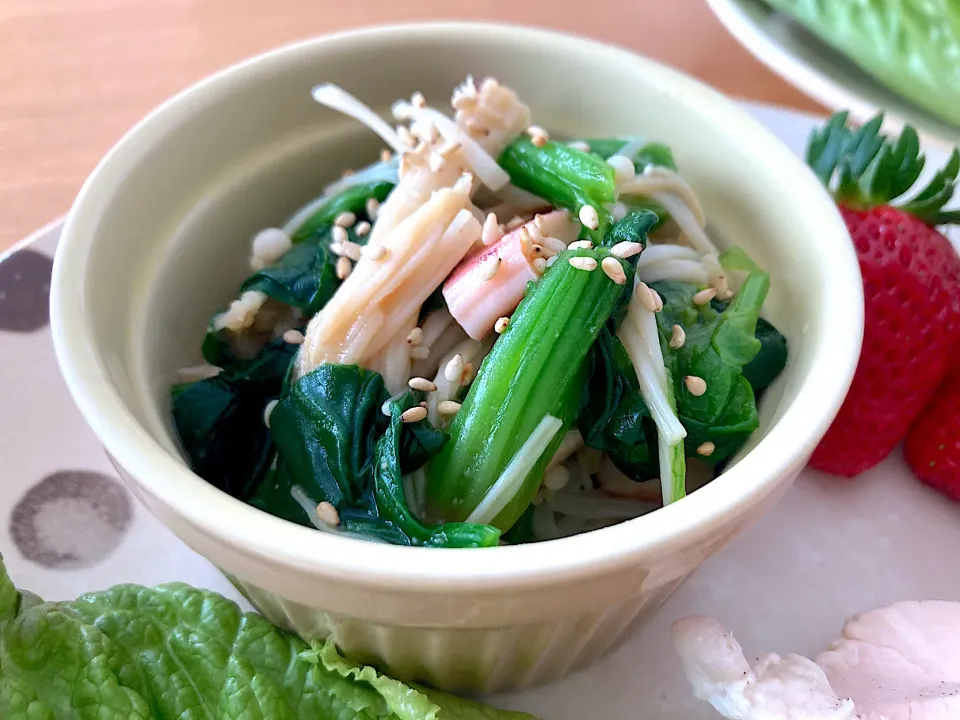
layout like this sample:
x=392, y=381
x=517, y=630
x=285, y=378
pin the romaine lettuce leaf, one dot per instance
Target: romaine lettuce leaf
x=911, y=46
x=174, y=652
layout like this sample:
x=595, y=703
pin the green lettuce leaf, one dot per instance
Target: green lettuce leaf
x=173, y=652
x=911, y=46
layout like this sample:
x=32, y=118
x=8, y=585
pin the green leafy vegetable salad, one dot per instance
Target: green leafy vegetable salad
x=488, y=336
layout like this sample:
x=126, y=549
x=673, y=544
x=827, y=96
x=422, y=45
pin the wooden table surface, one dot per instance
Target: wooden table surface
x=75, y=74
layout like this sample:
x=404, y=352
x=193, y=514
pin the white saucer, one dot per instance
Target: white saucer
x=830, y=549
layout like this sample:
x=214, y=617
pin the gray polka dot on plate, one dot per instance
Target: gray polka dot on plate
x=25, y=291
x=71, y=519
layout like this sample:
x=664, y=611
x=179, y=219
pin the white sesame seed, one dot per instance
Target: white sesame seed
x=696, y=385
x=418, y=100
x=551, y=260
x=706, y=449
x=537, y=130
x=406, y=137
x=540, y=264
x=657, y=300
x=257, y=264
x=454, y=368
x=362, y=228
x=414, y=414
x=271, y=244
x=328, y=514
x=579, y=145
x=491, y=230
x=534, y=229
x=294, y=337
x=448, y=407
x=415, y=336
x=268, y=411
x=645, y=296
x=526, y=242
x=372, y=208
x=626, y=249
x=553, y=246
x=489, y=268
x=704, y=296
x=466, y=377
x=344, y=268
x=677, y=337
x=501, y=325
x=614, y=270
x=386, y=155
x=374, y=252
x=421, y=384
x=345, y=219
x=515, y=222
x=588, y=216
x=583, y=263
x=539, y=140
x=623, y=168
x=422, y=403
x=556, y=478
x=436, y=161
x=339, y=234
x=580, y=245
x=351, y=250
x=420, y=352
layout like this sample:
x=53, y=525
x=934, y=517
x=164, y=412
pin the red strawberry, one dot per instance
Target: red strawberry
x=911, y=283
x=933, y=443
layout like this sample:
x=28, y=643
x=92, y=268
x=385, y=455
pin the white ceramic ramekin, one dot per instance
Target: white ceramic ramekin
x=158, y=240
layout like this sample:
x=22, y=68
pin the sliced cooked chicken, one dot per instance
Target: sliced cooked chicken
x=900, y=662
x=776, y=688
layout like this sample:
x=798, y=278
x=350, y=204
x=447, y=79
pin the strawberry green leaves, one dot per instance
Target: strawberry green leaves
x=870, y=170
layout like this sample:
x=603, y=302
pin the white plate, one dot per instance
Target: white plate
x=830, y=548
x=821, y=72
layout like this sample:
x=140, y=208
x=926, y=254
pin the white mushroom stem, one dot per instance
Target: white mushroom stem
x=337, y=98
x=656, y=180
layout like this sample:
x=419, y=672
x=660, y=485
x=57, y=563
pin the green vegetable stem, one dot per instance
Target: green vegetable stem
x=563, y=176
x=536, y=368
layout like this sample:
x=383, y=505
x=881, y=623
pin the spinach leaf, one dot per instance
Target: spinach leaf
x=173, y=652
x=326, y=427
x=614, y=418
x=717, y=348
x=220, y=424
x=770, y=360
x=654, y=154
x=305, y=278
x=391, y=501
x=353, y=199
x=337, y=446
